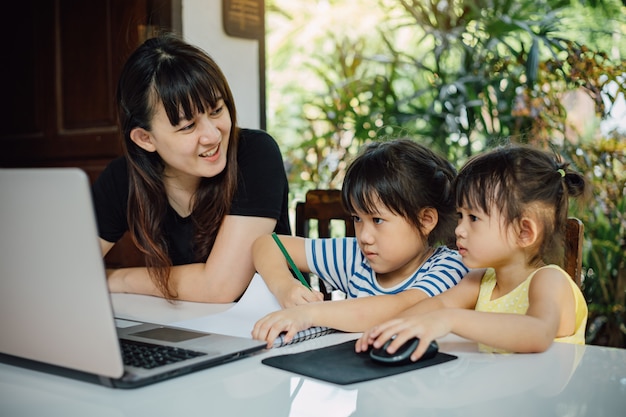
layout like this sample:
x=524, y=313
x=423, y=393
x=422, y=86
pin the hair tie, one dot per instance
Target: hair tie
x=562, y=172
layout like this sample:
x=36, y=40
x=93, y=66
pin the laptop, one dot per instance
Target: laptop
x=55, y=309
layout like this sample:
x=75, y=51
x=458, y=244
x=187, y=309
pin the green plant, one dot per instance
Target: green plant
x=474, y=57
x=461, y=76
x=539, y=111
x=604, y=254
x=351, y=108
x=340, y=95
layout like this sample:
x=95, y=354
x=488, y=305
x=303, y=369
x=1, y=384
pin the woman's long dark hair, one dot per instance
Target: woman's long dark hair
x=187, y=81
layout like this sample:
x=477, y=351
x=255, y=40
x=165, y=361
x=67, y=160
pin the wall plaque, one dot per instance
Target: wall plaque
x=244, y=18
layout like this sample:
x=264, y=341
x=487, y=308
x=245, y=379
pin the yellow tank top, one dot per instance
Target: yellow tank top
x=516, y=302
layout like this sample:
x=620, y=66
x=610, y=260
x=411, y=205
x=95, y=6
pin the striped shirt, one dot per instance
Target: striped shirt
x=341, y=264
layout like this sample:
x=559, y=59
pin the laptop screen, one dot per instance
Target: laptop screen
x=54, y=301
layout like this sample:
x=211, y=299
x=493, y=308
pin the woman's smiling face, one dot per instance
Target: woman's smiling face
x=193, y=148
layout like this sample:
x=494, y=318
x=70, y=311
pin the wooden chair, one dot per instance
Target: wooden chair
x=323, y=206
x=124, y=254
x=573, y=259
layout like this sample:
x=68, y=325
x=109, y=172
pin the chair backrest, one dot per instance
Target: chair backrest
x=124, y=254
x=323, y=206
x=573, y=259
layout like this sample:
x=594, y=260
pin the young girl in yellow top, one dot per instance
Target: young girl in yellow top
x=512, y=208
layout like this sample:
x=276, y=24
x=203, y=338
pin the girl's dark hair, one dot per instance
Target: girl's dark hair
x=406, y=177
x=514, y=177
x=187, y=81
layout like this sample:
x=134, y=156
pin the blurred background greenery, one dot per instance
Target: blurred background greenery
x=462, y=76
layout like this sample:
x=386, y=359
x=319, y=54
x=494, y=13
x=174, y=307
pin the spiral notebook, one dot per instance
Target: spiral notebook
x=239, y=320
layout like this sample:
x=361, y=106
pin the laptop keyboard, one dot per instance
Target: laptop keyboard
x=148, y=356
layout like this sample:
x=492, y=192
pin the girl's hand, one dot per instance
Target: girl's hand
x=289, y=321
x=293, y=293
x=427, y=327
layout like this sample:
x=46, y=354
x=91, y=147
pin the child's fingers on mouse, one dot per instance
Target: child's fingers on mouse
x=363, y=343
x=371, y=339
x=367, y=333
x=401, y=338
x=381, y=338
x=386, y=336
x=360, y=345
x=383, y=332
x=371, y=333
x=399, y=333
x=420, y=349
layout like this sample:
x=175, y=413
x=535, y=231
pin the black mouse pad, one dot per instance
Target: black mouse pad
x=340, y=364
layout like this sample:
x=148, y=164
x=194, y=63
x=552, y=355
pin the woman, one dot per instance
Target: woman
x=193, y=189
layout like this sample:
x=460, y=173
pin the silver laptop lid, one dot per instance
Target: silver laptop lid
x=50, y=268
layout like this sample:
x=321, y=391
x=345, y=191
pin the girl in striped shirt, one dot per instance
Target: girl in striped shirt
x=400, y=196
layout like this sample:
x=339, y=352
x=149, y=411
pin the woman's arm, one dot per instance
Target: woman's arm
x=225, y=275
x=271, y=264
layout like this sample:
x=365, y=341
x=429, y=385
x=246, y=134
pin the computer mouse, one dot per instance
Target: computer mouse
x=402, y=356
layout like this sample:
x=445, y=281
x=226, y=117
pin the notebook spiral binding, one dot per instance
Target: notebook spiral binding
x=301, y=336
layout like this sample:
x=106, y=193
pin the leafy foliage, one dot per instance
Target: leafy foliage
x=604, y=262
x=461, y=76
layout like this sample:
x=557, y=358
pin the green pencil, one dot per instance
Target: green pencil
x=290, y=261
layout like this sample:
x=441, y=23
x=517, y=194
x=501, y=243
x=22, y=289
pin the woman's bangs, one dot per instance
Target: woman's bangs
x=186, y=94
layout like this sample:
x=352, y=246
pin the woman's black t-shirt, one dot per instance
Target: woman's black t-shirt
x=262, y=191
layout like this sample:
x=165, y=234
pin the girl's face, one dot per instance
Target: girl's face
x=483, y=240
x=194, y=148
x=391, y=244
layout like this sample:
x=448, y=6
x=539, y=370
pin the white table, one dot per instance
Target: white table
x=566, y=380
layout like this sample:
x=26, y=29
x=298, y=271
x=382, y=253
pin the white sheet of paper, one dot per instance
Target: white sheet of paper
x=238, y=320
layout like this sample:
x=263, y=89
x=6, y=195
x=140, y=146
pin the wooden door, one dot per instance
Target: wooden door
x=61, y=61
